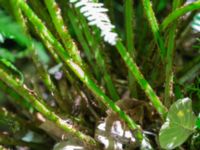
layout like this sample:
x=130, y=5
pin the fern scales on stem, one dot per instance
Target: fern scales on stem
x=89, y=9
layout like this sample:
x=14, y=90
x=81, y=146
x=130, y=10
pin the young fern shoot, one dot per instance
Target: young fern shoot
x=96, y=15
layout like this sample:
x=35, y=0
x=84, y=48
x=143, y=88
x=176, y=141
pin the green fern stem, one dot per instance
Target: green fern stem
x=77, y=29
x=169, y=60
x=43, y=73
x=129, y=16
x=154, y=27
x=94, y=47
x=83, y=76
x=18, y=14
x=141, y=80
x=178, y=13
x=99, y=56
x=26, y=94
x=41, y=70
x=55, y=13
x=129, y=25
x=14, y=97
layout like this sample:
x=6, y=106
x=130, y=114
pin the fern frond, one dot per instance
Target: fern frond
x=10, y=29
x=96, y=16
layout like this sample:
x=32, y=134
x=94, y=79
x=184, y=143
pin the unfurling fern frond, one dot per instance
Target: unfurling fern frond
x=96, y=15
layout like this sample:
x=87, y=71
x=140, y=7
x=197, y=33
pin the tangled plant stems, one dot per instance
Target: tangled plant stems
x=92, y=27
x=24, y=92
x=83, y=76
x=93, y=14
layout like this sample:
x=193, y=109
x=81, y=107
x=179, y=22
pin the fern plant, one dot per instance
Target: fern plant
x=71, y=81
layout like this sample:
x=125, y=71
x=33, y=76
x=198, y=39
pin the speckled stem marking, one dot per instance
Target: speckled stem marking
x=55, y=13
x=154, y=27
x=24, y=92
x=141, y=80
